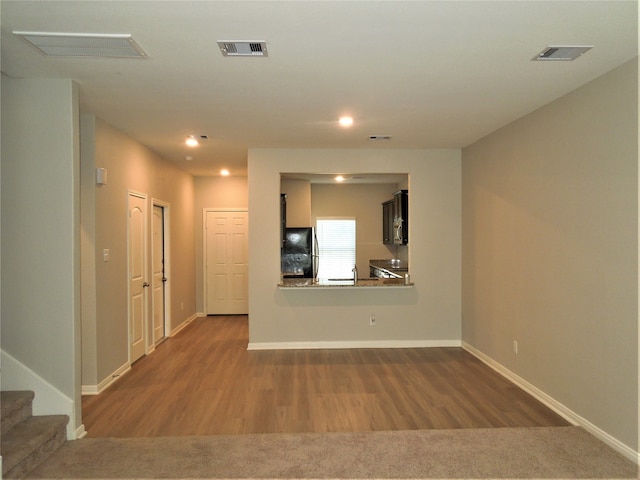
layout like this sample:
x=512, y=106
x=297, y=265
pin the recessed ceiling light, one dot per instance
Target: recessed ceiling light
x=346, y=121
x=194, y=140
x=188, y=158
x=224, y=172
x=339, y=178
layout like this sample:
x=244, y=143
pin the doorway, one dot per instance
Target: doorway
x=226, y=262
x=138, y=285
x=160, y=272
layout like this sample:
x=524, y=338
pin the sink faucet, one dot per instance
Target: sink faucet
x=355, y=274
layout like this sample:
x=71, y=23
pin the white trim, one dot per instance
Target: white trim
x=166, y=225
x=81, y=432
x=180, y=327
x=554, y=405
x=48, y=399
x=352, y=344
x=224, y=210
x=97, y=389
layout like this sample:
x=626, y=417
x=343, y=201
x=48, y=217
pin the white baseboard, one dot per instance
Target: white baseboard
x=183, y=324
x=352, y=344
x=80, y=432
x=556, y=406
x=48, y=399
x=99, y=388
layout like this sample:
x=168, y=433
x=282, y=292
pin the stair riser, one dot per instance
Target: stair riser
x=38, y=456
x=27, y=440
x=15, y=417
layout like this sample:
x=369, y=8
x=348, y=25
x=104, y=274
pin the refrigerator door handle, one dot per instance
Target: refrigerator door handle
x=316, y=256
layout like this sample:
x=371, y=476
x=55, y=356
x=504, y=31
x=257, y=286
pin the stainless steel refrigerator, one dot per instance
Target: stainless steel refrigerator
x=299, y=253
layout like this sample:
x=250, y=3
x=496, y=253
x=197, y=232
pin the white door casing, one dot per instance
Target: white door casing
x=226, y=262
x=158, y=273
x=137, y=256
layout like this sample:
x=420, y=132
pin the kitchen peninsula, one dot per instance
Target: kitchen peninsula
x=344, y=283
x=393, y=268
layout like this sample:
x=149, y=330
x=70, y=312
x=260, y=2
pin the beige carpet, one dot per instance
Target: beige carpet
x=559, y=452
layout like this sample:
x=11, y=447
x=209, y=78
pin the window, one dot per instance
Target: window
x=336, y=247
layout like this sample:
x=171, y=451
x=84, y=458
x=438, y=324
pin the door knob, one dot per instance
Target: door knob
x=145, y=285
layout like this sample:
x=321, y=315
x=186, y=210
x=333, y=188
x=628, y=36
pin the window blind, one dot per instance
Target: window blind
x=336, y=247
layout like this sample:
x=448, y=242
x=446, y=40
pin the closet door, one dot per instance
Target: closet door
x=226, y=262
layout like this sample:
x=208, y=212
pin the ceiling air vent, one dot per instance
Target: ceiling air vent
x=83, y=44
x=379, y=138
x=562, y=52
x=243, y=48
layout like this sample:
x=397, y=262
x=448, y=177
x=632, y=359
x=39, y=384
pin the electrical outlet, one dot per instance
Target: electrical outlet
x=372, y=319
x=181, y=305
x=515, y=347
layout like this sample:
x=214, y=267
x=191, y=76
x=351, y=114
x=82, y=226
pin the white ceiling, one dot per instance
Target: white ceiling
x=433, y=74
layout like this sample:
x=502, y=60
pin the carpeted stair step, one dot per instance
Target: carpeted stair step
x=30, y=442
x=15, y=407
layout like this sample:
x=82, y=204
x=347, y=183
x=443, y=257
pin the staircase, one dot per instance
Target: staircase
x=27, y=440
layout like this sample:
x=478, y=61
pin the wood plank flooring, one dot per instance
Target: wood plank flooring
x=203, y=381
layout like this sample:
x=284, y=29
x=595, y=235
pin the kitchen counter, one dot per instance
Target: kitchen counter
x=343, y=283
x=388, y=268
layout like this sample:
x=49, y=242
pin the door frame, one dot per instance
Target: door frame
x=204, y=246
x=145, y=300
x=167, y=270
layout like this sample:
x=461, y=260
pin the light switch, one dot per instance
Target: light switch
x=101, y=176
x=106, y=255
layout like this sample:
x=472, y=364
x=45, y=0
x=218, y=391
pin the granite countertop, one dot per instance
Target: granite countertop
x=362, y=282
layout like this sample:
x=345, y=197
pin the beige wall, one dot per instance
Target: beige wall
x=550, y=242
x=298, y=202
x=133, y=167
x=428, y=312
x=213, y=193
x=88, y=249
x=40, y=251
x=364, y=203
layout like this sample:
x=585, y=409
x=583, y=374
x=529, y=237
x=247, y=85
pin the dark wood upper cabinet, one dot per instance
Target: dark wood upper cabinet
x=395, y=219
x=283, y=217
x=387, y=222
x=401, y=217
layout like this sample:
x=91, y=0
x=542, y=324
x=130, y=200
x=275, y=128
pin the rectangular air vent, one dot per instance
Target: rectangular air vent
x=83, y=44
x=243, y=48
x=562, y=52
x=378, y=138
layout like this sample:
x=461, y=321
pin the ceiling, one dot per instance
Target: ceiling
x=432, y=74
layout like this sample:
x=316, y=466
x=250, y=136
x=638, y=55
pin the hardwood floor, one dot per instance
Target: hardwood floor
x=203, y=381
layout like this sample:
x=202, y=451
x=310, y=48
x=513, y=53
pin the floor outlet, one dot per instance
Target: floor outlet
x=372, y=319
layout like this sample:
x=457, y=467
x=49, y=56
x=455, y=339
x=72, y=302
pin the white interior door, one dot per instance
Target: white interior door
x=137, y=252
x=226, y=262
x=158, y=272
